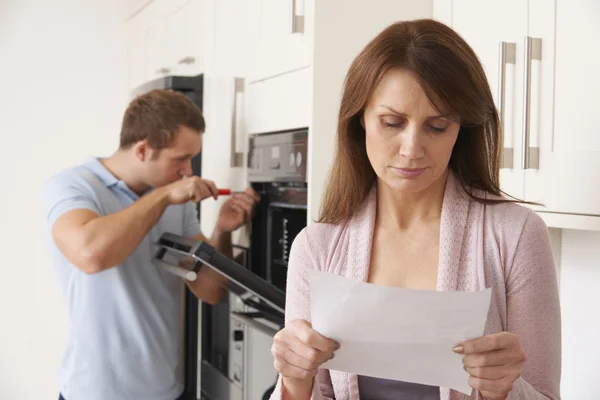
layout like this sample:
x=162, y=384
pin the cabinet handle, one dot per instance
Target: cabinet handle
x=531, y=155
x=297, y=21
x=163, y=71
x=236, y=157
x=508, y=52
x=187, y=60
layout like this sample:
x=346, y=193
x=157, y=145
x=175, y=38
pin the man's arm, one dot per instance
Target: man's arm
x=210, y=285
x=235, y=212
x=93, y=243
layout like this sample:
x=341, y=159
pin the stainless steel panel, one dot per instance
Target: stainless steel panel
x=507, y=56
x=215, y=386
x=533, y=51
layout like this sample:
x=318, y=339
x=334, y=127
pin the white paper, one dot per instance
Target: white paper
x=397, y=333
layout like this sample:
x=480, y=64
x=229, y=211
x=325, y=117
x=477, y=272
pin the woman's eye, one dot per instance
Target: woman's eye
x=393, y=123
x=438, y=128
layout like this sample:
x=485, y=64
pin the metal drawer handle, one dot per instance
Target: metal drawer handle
x=237, y=158
x=297, y=21
x=508, y=52
x=531, y=155
x=187, y=60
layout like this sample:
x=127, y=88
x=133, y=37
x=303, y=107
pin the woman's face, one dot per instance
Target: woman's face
x=408, y=142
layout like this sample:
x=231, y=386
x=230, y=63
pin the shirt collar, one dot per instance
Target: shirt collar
x=96, y=166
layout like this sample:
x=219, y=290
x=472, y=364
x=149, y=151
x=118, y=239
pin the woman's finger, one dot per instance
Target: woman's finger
x=303, y=331
x=492, y=389
x=487, y=343
x=291, y=357
x=493, y=359
x=493, y=373
x=291, y=371
x=309, y=353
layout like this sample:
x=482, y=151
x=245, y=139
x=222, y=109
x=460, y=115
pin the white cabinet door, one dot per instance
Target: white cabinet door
x=283, y=43
x=564, y=109
x=184, y=22
x=235, y=37
x=222, y=99
x=486, y=25
x=224, y=143
x=145, y=46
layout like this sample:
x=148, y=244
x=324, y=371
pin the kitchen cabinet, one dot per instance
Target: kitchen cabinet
x=548, y=82
x=185, y=41
x=228, y=47
x=336, y=32
x=166, y=38
x=282, y=44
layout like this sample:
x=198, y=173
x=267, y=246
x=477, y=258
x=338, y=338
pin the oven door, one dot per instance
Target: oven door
x=284, y=222
x=255, y=315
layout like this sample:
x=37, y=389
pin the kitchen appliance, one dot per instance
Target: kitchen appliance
x=192, y=88
x=236, y=336
x=265, y=305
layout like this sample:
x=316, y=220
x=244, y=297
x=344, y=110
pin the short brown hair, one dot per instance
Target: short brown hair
x=453, y=79
x=156, y=116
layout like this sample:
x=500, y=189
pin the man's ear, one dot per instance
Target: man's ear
x=141, y=150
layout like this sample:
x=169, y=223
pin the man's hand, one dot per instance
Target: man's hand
x=237, y=210
x=191, y=188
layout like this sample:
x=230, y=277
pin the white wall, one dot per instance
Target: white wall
x=61, y=98
x=580, y=301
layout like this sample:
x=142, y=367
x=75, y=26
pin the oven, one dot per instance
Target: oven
x=236, y=336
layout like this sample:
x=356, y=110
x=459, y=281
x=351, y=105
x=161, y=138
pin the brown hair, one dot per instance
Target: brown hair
x=455, y=83
x=156, y=116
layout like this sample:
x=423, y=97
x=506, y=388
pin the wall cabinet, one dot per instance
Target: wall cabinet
x=166, y=38
x=545, y=83
x=282, y=43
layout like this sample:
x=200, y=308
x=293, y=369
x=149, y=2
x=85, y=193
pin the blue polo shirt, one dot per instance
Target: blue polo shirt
x=124, y=322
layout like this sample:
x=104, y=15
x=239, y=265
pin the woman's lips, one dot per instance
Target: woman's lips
x=409, y=172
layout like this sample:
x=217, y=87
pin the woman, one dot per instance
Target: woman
x=414, y=201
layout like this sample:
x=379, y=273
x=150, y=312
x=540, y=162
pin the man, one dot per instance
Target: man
x=103, y=218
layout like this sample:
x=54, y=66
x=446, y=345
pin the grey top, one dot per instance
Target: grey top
x=370, y=388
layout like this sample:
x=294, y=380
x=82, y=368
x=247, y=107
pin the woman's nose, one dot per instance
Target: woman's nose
x=411, y=144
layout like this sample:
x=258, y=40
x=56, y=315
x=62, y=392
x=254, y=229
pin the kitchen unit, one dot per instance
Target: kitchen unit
x=236, y=361
x=278, y=66
x=545, y=81
x=268, y=72
x=164, y=38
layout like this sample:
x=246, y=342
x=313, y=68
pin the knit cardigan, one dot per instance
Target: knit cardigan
x=505, y=247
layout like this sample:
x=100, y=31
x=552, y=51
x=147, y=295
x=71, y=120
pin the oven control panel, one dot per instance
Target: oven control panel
x=278, y=157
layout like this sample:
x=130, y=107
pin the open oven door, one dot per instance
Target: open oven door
x=254, y=303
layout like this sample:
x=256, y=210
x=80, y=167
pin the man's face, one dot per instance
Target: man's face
x=174, y=162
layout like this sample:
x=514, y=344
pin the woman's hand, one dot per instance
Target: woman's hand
x=494, y=363
x=299, y=351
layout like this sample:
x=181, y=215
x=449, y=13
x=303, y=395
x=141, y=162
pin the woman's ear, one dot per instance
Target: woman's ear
x=361, y=120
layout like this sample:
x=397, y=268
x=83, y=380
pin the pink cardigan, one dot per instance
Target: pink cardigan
x=504, y=246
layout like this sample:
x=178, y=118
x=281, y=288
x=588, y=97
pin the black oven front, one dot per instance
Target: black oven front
x=236, y=360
